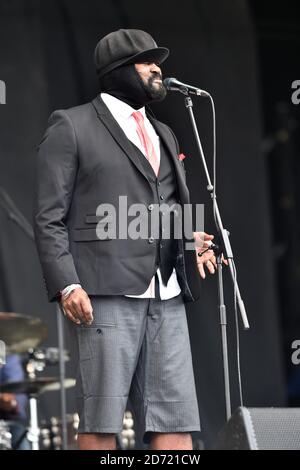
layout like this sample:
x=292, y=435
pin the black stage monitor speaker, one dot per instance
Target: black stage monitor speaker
x=261, y=429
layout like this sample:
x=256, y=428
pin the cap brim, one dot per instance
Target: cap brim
x=157, y=55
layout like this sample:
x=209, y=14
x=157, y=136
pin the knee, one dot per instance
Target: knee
x=97, y=441
x=169, y=441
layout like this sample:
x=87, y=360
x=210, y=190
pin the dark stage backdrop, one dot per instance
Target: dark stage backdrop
x=46, y=60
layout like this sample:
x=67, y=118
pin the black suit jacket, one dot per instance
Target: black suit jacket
x=85, y=159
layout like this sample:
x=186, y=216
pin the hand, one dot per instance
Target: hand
x=77, y=307
x=8, y=402
x=203, y=241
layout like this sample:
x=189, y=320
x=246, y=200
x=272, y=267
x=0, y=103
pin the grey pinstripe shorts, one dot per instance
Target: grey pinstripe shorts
x=137, y=349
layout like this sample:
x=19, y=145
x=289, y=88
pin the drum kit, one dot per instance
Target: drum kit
x=22, y=335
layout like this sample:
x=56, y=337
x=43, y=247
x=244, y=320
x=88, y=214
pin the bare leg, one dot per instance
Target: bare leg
x=174, y=441
x=96, y=441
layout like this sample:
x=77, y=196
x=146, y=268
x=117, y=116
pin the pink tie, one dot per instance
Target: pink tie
x=146, y=141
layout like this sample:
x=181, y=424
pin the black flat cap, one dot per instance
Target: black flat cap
x=127, y=46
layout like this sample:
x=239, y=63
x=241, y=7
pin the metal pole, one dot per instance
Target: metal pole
x=62, y=375
x=33, y=431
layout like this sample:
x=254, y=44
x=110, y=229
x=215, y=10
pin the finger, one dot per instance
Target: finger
x=70, y=306
x=70, y=316
x=206, y=244
x=225, y=261
x=210, y=267
x=75, y=308
x=202, y=237
x=208, y=237
x=87, y=310
x=201, y=270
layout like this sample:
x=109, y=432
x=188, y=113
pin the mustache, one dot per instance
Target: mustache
x=155, y=76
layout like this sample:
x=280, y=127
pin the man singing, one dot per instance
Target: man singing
x=123, y=297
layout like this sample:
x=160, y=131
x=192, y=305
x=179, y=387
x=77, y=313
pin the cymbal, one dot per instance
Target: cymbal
x=35, y=386
x=21, y=332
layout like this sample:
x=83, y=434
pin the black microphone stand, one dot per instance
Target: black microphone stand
x=227, y=250
x=16, y=216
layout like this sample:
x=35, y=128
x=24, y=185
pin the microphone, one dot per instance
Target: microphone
x=172, y=84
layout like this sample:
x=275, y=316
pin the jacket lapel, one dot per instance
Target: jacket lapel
x=165, y=134
x=105, y=116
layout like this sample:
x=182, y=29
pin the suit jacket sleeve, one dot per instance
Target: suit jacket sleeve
x=57, y=164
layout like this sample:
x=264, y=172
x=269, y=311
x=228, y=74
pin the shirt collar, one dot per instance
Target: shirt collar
x=120, y=107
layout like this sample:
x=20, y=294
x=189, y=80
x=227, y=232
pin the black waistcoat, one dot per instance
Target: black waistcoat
x=165, y=196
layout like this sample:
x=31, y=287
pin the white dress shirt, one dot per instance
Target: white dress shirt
x=122, y=113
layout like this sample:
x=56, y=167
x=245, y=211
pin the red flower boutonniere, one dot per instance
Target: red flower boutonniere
x=181, y=157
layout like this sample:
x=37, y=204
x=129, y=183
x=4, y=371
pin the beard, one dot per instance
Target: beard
x=155, y=91
x=126, y=84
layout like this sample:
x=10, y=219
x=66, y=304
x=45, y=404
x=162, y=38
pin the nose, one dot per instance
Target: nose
x=155, y=68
